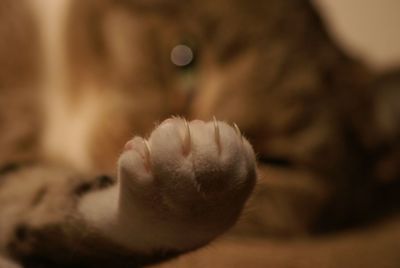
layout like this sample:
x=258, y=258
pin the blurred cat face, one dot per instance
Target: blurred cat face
x=231, y=59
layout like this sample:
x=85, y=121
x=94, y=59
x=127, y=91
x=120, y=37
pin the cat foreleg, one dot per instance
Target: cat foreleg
x=177, y=190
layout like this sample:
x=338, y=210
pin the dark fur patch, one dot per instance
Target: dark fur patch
x=83, y=188
x=8, y=168
x=91, y=251
x=39, y=196
x=99, y=182
x=21, y=232
x=22, y=240
x=104, y=181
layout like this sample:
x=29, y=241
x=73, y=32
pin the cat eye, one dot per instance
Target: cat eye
x=182, y=55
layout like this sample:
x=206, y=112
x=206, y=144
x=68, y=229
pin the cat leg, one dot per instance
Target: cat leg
x=177, y=190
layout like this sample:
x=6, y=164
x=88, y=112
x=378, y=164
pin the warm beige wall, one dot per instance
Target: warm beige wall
x=367, y=28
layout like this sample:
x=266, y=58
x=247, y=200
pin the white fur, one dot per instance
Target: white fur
x=68, y=123
x=149, y=208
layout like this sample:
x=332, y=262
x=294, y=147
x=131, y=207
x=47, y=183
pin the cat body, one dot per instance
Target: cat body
x=80, y=78
x=148, y=208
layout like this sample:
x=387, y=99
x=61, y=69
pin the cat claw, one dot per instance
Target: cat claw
x=217, y=135
x=187, y=140
x=238, y=132
x=147, y=155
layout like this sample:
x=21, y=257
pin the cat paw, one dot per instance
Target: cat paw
x=187, y=183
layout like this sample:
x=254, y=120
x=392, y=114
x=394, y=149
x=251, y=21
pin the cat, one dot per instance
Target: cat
x=174, y=191
x=81, y=77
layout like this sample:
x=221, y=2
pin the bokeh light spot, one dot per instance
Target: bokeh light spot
x=181, y=55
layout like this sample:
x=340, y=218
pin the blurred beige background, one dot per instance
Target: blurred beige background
x=368, y=29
